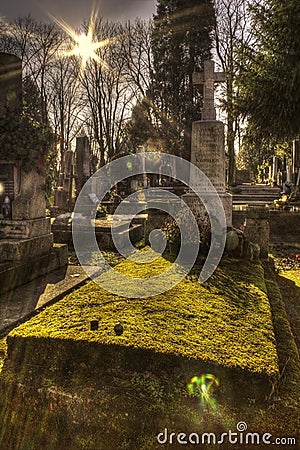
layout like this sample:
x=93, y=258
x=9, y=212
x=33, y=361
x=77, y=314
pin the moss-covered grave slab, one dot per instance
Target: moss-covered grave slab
x=65, y=386
x=226, y=321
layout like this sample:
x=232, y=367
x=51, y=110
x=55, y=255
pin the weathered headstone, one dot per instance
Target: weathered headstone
x=25, y=229
x=208, y=142
x=10, y=83
x=64, y=194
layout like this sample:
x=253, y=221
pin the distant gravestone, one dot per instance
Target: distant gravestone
x=83, y=165
x=10, y=83
x=275, y=169
x=296, y=160
x=64, y=194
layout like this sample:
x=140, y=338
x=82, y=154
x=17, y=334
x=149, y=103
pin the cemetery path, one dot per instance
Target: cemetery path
x=19, y=304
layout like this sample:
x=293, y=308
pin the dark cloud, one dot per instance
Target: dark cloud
x=74, y=11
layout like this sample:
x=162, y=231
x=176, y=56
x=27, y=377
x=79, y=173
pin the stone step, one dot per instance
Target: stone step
x=255, y=189
x=254, y=198
x=258, y=194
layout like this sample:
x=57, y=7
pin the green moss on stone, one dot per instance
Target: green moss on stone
x=226, y=321
x=3, y=351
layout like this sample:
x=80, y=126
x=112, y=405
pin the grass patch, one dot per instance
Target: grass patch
x=293, y=275
x=226, y=321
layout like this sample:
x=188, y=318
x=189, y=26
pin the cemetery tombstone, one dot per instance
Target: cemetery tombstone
x=296, y=160
x=208, y=141
x=83, y=165
x=64, y=195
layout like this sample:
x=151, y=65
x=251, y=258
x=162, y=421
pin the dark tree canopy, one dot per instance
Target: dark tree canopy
x=270, y=75
x=181, y=41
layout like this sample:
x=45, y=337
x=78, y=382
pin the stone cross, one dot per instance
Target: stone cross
x=208, y=79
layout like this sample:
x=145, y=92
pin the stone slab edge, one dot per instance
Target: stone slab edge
x=58, y=293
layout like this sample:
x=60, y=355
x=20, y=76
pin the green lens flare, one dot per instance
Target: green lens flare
x=203, y=387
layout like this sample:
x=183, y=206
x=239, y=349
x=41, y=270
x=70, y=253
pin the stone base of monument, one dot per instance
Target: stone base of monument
x=24, y=229
x=26, y=242
x=198, y=208
x=24, y=239
x=16, y=273
x=21, y=249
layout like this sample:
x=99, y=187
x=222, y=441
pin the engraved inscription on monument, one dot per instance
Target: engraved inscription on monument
x=208, y=151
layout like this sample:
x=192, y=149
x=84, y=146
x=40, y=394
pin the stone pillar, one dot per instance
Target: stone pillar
x=257, y=228
x=83, y=169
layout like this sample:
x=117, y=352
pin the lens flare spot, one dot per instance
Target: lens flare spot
x=203, y=387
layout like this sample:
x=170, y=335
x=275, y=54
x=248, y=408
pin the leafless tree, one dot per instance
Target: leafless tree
x=99, y=98
x=114, y=85
x=232, y=34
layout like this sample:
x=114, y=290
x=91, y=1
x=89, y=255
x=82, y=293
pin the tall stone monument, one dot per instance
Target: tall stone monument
x=208, y=141
x=26, y=241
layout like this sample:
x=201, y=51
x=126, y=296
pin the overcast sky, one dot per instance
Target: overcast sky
x=74, y=11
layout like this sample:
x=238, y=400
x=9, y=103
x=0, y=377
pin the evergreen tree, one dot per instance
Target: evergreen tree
x=270, y=74
x=181, y=41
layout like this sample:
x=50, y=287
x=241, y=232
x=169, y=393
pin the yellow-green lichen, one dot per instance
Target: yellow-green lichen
x=3, y=350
